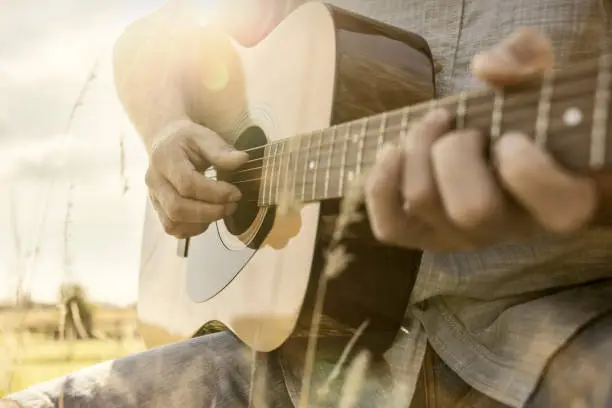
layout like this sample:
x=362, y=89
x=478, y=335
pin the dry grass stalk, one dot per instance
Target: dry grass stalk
x=324, y=390
x=354, y=380
x=335, y=263
x=6, y=369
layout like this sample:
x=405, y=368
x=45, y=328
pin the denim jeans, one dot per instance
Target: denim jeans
x=217, y=371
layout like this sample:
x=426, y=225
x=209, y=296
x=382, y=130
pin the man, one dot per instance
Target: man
x=511, y=303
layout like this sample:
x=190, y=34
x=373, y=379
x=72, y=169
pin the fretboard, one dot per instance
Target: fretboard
x=566, y=112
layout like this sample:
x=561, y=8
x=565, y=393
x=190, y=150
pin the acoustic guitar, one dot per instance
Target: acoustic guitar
x=313, y=104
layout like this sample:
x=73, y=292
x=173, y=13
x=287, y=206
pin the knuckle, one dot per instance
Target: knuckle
x=185, y=185
x=175, y=210
x=157, y=155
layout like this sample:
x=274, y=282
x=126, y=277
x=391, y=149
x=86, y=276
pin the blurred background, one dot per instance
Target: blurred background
x=72, y=194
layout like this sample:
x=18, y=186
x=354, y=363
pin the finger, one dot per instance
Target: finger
x=216, y=150
x=204, y=146
x=524, y=53
x=180, y=209
x=558, y=200
x=180, y=230
x=190, y=183
x=472, y=198
x=383, y=198
x=419, y=190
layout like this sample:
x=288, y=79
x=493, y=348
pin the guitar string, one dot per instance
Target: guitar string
x=512, y=102
x=555, y=123
x=576, y=71
x=309, y=183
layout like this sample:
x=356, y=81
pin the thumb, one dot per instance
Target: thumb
x=217, y=151
x=525, y=53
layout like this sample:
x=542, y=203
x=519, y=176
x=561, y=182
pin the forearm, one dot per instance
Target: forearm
x=161, y=61
x=149, y=62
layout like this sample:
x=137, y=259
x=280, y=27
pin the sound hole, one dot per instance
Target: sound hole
x=248, y=180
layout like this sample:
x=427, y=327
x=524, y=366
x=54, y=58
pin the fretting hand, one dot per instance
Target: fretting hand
x=437, y=192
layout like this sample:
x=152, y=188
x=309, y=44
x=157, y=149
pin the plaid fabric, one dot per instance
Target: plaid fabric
x=497, y=316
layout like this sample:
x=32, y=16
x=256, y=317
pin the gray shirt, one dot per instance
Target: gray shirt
x=496, y=316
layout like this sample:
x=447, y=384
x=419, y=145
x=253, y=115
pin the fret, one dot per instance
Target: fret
x=272, y=169
x=362, y=138
x=306, y=166
x=329, y=161
x=347, y=136
x=461, y=110
x=600, y=113
x=281, y=157
x=544, y=105
x=381, y=133
x=296, y=154
x=496, y=120
x=314, y=165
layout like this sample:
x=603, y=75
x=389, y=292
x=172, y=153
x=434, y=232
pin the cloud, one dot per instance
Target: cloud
x=48, y=51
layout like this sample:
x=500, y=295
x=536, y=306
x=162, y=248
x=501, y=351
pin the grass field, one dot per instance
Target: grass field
x=31, y=359
x=27, y=358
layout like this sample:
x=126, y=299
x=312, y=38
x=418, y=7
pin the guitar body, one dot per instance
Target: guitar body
x=257, y=273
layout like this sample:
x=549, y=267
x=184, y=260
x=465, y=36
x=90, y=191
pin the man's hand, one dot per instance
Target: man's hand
x=437, y=192
x=186, y=201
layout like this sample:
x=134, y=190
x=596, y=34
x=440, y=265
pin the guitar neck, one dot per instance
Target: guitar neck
x=565, y=112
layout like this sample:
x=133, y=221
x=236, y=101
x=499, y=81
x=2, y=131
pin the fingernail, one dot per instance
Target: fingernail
x=513, y=144
x=234, y=196
x=230, y=209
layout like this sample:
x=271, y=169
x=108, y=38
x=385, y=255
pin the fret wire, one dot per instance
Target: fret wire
x=555, y=126
x=461, y=110
x=600, y=113
x=381, y=132
x=570, y=73
x=282, y=156
x=496, y=120
x=286, y=191
x=329, y=161
x=544, y=106
x=316, y=166
x=482, y=108
x=343, y=159
x=306, y=166
x=297, y=159
x=362, y=136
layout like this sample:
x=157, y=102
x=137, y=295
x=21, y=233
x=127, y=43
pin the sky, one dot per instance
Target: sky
x=48, y=50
